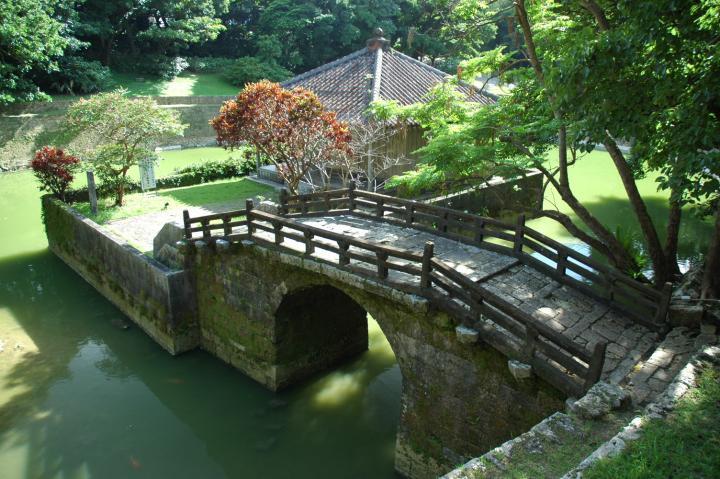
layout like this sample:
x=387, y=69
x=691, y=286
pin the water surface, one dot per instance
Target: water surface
x=82, y=397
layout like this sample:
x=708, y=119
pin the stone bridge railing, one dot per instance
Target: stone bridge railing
x=556, y=358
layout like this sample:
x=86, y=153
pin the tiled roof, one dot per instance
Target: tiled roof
x=348, y=85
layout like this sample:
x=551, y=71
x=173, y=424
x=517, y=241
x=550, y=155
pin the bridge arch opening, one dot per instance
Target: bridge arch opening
x=316, y=328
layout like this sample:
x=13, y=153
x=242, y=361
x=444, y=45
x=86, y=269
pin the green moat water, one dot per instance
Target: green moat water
x=80, y=397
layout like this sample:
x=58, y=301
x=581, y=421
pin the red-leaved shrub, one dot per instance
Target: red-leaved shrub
x=291, y=128
x=54, y=170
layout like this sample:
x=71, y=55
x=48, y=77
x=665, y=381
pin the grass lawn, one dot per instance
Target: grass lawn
x=233, y=191
x=686, y=444
x=185, y=84
x=173, y=160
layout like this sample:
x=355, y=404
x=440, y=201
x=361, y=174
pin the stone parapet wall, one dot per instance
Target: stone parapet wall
x=156, y=298
x=496, y=197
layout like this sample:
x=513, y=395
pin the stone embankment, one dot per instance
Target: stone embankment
x=610, y=415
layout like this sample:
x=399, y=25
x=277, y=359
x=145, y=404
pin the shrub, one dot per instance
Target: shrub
x=208, y=171
x=209, y=64
x=158, y=66
x=78, y=75
x=250, y=69
x=188, y=176
x=54, y=170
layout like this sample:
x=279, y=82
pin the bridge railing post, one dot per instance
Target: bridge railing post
x=428, y=251
x=277, y=228
x=309, y=246
x=382, y=267
x=283, y=199
x=519, y=234
x=595, y=367
x=249, y=205
x=206, y=230
x=351, y=195
x=379, y=208
x=343, y=258
x=227, y=229
x=479, y=230
x=186, y=224
x=409, y=214
x=664, y=305
x=531, y=337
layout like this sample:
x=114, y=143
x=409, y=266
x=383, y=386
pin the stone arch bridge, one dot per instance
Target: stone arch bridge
x=493, y=325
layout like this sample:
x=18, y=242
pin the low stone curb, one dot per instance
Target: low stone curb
x=683, y=382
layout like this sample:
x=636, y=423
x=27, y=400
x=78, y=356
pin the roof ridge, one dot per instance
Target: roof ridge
x=444, y=74
x=377, y=76
x=324, y=67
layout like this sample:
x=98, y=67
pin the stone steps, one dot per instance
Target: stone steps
x=651, y=375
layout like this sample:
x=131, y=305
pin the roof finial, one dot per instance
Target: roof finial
x=378, y=41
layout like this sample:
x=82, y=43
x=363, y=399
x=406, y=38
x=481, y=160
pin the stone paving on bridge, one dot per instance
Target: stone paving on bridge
x=568, y=311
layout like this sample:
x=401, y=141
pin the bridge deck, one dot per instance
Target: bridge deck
x=568, y=311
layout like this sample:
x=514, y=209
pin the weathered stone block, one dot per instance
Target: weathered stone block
x=222, y=246
x=688, y=315
x=519, y=370
x=169, y=234
x=467, y=335
x=268, y=207
x=600, y=400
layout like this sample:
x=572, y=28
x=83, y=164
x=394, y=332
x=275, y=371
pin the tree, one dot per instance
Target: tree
x=291, y=128
x=54, y=170
x=117, y=132
x=592, y=73
x=157, y=27
x=30, y=38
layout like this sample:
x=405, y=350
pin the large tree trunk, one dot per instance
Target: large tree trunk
x=652, y=239
x=618, y=255
x=711, y=277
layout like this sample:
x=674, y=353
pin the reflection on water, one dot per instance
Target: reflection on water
x=82, y=397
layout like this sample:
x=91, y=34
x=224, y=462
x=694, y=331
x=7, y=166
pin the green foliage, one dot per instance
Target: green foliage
x=683, y=445
x=77, y=75
x=30, y=38
x=116, y=132
x=153, y=65
x=633, y=246
x=208, y=171
x=250, y=69
x=209, y=64
x=413, y=182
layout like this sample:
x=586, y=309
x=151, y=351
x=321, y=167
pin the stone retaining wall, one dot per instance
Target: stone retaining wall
x=26, y=127
x=156, y=298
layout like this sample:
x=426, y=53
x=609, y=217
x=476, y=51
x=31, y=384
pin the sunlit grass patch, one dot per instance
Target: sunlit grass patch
x=685, y=444
x=233, y=190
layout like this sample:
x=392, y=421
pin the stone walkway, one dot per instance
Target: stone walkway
x=568, y=311
x=140, y=230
